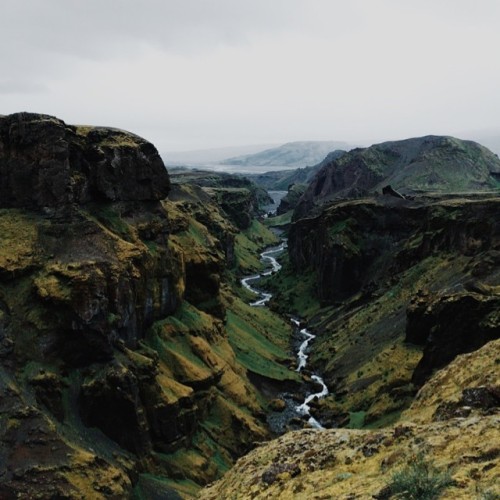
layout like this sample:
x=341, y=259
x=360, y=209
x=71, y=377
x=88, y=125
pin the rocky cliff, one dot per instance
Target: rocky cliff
x=122, y=348
x=430, y=164
x=46, y=163
x=403, y=286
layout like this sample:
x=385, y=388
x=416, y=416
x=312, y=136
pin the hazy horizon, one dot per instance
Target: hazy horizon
x=197, y=75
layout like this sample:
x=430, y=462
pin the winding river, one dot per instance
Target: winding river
x=269, y=256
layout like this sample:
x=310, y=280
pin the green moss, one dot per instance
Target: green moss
x=150, y=486
x=279, y=220
x=293, y=292
x=260, y=339
x=112, y=220
x=18, y=241
x=249, y=243
x=152, y=247
x=356, y=419
x=337, y=228
x=384, y=421
x=198, y=232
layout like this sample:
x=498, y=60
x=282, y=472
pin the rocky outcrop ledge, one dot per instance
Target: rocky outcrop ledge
x=46, y=163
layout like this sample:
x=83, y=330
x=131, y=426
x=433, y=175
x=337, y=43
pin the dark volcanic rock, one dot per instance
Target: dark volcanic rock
x=448, y=325
x=111, y=401
x=290, y=200
x=353, y=244
x=46, y=163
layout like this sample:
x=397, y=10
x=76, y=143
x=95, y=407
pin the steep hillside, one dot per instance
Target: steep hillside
x=425, y=164
x=123, y=336
x=240, y=198
x=293, y=154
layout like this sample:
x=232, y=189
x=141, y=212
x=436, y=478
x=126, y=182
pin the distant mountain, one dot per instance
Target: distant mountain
x=215, y=155
x=281, y=180
x=429, y=164
x=293, y=154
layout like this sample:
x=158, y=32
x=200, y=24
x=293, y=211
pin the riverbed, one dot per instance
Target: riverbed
x=279, y=420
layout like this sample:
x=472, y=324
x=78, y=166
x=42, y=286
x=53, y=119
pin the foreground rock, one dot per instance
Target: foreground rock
x=345, y=464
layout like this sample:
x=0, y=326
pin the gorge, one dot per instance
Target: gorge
x=302, y=409
x=136, y=361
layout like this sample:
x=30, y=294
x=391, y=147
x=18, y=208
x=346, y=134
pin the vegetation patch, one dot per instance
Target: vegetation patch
x=280, y=221
x=110, y=217
x=293, y=292
x=249, y=243
x=256, y=348
x=420, y=480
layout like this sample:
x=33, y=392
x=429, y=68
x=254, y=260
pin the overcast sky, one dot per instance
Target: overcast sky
x=194, y=74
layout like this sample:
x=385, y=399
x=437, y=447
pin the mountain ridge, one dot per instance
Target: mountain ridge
x=298, y=153
x=430, y=163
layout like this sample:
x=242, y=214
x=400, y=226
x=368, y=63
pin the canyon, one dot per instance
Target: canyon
x=137, y=363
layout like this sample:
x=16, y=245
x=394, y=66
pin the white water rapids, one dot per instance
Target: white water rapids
x=268, y=256
x=275, y=267
x=304, y=408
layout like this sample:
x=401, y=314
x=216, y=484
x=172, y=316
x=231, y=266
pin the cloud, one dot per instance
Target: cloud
x=8, y=86
x=205, y=73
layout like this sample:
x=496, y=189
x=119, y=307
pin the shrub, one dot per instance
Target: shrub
x=420, y=480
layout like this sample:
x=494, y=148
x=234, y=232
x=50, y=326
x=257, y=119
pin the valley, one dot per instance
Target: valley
x=166, y=335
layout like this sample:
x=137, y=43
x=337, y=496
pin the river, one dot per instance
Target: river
x=269, y=256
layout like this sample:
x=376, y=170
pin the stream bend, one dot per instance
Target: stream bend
x=269, y=256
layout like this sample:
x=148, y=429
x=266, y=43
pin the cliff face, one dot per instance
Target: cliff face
x=84, y=243
x=117, y=370
x=431, y=163
x=79, y=289
x=404, y=286
x=46, y=163
x=353, y=243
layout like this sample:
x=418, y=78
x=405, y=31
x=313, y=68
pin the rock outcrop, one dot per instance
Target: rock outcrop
x=290, y=200
x=240, y=199
x=46, y=163
x=447, y=324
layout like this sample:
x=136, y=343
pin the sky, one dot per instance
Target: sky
x=197, y=74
